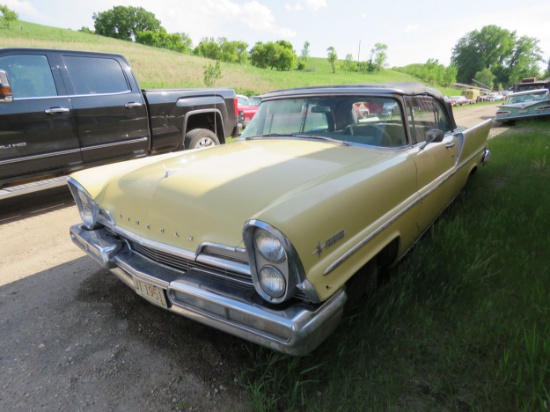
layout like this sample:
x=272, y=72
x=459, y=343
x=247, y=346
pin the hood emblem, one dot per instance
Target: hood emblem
x=170, y=172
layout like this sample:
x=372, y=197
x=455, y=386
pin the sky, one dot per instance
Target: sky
x=414, y=31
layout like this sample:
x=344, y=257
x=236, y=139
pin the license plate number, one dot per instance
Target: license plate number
x=523, y=110
x=152, y=293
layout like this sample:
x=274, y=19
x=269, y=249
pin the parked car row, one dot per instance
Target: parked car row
x=460, y=100
x=475, y=96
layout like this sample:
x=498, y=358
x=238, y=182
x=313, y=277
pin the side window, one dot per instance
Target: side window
x=422, y=116
x=315, y=120
x=441, y=119
x=95, y=75
x=29, y=75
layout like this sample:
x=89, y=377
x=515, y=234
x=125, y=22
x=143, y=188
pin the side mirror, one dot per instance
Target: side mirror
x=434, y=135
x=5, y=88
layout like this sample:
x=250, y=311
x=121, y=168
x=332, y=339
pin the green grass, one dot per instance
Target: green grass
x=463, y=324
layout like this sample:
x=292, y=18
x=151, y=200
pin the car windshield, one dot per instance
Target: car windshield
x=529, y=97
x=375, y=121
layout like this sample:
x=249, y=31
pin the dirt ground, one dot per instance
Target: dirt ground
x=74, y=338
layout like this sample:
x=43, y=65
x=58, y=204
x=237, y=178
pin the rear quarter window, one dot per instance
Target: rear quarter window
x=96, y=75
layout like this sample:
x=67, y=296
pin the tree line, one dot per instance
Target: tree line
x=493, y=57
x=139, y=25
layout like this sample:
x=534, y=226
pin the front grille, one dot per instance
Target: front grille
x=180, y=263
x=184, y=265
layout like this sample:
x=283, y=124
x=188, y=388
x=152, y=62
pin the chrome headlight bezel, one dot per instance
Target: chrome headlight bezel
x=87, y=208
x=273, y=261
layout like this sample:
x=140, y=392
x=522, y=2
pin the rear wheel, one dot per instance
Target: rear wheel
x=198, y=138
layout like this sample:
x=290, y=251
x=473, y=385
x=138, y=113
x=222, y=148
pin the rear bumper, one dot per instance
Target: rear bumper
x=295, y=330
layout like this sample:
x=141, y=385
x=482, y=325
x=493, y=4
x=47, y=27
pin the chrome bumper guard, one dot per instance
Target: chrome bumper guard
x=486, y=156
x=238, y=310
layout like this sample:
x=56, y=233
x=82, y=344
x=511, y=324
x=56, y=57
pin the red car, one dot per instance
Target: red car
x=249, y=107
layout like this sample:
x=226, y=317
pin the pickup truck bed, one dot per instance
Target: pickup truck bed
x=63, y=110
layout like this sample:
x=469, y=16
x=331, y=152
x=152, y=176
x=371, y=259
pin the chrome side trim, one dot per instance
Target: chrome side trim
x=32, y=187
x=38, y=157
x=389, y=222
x=368, y=238
x=74, y=95
x=107, y=145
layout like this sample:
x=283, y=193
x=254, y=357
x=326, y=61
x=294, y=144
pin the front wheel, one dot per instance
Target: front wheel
x=362, y=285
x=199, y=138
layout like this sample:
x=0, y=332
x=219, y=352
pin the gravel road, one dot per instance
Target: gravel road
x=74, y=338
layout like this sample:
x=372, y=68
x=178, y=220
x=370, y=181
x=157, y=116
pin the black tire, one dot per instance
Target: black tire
x=362, y=285
x=198, y=138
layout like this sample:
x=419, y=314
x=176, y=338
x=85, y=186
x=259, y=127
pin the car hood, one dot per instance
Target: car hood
x=207, y=195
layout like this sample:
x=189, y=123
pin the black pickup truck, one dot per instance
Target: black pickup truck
x=63, y=110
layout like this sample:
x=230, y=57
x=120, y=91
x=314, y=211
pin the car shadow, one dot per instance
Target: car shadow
x=33, y=204
x=81, y=329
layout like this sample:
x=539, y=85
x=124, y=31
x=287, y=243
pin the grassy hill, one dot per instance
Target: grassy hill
x=156, y=68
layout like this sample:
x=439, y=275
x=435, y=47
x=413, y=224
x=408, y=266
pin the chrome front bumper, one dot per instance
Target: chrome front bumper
x=295, y=330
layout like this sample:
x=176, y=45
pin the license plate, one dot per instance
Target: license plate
x=523, y=110
x=152, y=293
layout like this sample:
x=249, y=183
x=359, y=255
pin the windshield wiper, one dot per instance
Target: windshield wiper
x=268, y=135
x=303, y=136
x=327, y=139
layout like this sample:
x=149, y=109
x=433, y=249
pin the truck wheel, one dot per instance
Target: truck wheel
x=200, y=138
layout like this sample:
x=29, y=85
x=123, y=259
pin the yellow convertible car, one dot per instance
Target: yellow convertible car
x=269, y=238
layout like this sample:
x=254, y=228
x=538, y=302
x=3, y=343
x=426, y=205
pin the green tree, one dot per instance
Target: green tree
x=449, y=77
x=525, y=59
x=332, y=57
x=228, y=50
x=10, y=16
x=349, y=64
x=208, y=48
x=242, y=51
x=279, y=55
x=305, y=52
x=497, y=49
x=212, y=72
x=379, y=57
x=485, y=77
x=163, y=40
x=125, y=23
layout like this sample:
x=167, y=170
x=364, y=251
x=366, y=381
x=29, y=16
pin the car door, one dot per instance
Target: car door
x=37, y=133
x=109, y=109
x=435, y=161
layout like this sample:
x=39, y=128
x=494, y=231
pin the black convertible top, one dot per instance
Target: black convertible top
x=381, y=89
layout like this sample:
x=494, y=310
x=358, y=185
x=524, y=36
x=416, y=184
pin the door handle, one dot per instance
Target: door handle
x=56, y=110
x=449, y=145
x=132, y=105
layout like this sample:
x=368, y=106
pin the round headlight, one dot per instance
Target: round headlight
x=272, y=281
x=269, y=246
